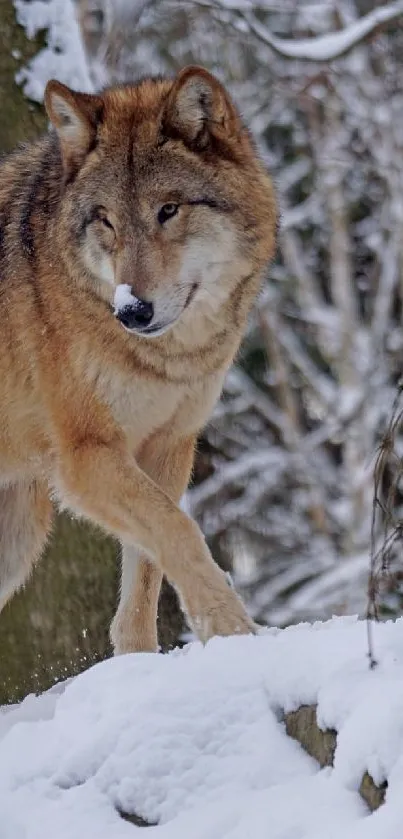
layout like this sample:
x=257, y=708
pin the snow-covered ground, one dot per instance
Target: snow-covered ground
x=194, y=742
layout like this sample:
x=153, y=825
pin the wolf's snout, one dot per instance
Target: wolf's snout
x=136, y=314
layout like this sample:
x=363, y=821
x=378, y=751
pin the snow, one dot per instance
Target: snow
x=330, y=46
x=194, y=742
x=123, y=297
x=63, y=58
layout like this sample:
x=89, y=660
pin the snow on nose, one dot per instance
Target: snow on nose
x=133, y=313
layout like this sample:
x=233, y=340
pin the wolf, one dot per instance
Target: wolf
x=155, y=186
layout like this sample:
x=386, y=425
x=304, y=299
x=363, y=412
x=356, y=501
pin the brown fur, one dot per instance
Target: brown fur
x=101, y=419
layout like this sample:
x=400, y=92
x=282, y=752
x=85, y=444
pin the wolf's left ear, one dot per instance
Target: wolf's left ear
x=75, y=116
x=198, y=107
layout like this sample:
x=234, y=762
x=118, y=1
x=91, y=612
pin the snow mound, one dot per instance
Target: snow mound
x=194, y=742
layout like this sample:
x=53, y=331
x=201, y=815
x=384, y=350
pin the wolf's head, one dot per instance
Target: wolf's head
x=163, y=192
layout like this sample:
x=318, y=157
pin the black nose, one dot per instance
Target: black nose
x=136, y=315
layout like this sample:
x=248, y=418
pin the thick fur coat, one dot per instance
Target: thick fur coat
x=157, y=186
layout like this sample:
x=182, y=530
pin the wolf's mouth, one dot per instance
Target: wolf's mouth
x=154, y=330
x=191, y=294
x=148, y=331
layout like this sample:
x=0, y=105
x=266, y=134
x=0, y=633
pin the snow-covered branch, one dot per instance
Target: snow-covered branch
x=328, y=47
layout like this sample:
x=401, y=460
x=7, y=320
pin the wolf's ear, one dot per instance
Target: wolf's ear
x=75, y=116
x=198, y=107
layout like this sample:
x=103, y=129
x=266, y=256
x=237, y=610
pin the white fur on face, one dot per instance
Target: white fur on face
x=98, y=262
x=204, y=263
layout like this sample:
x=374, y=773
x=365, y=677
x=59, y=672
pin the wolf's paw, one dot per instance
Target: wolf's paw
x=221, y=615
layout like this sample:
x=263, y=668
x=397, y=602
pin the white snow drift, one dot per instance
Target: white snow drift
x=193, y=741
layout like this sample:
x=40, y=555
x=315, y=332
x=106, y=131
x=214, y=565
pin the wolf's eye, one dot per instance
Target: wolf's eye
x=167, y=211
x=100, y=215
x=106, y=223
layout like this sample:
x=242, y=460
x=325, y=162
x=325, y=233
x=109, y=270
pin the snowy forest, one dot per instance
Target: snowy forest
x=284, y=480
x=294, y=732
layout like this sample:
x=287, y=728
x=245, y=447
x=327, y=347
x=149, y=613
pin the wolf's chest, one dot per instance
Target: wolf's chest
x=141, y=407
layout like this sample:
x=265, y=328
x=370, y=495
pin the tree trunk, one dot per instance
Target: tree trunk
x=21, y=120
x=59, y=623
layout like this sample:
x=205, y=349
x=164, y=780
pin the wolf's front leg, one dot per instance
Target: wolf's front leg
x=104, y=483
x=134, y=628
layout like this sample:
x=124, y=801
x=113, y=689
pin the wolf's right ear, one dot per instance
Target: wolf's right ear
x=198, y=107
x=75, y=116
